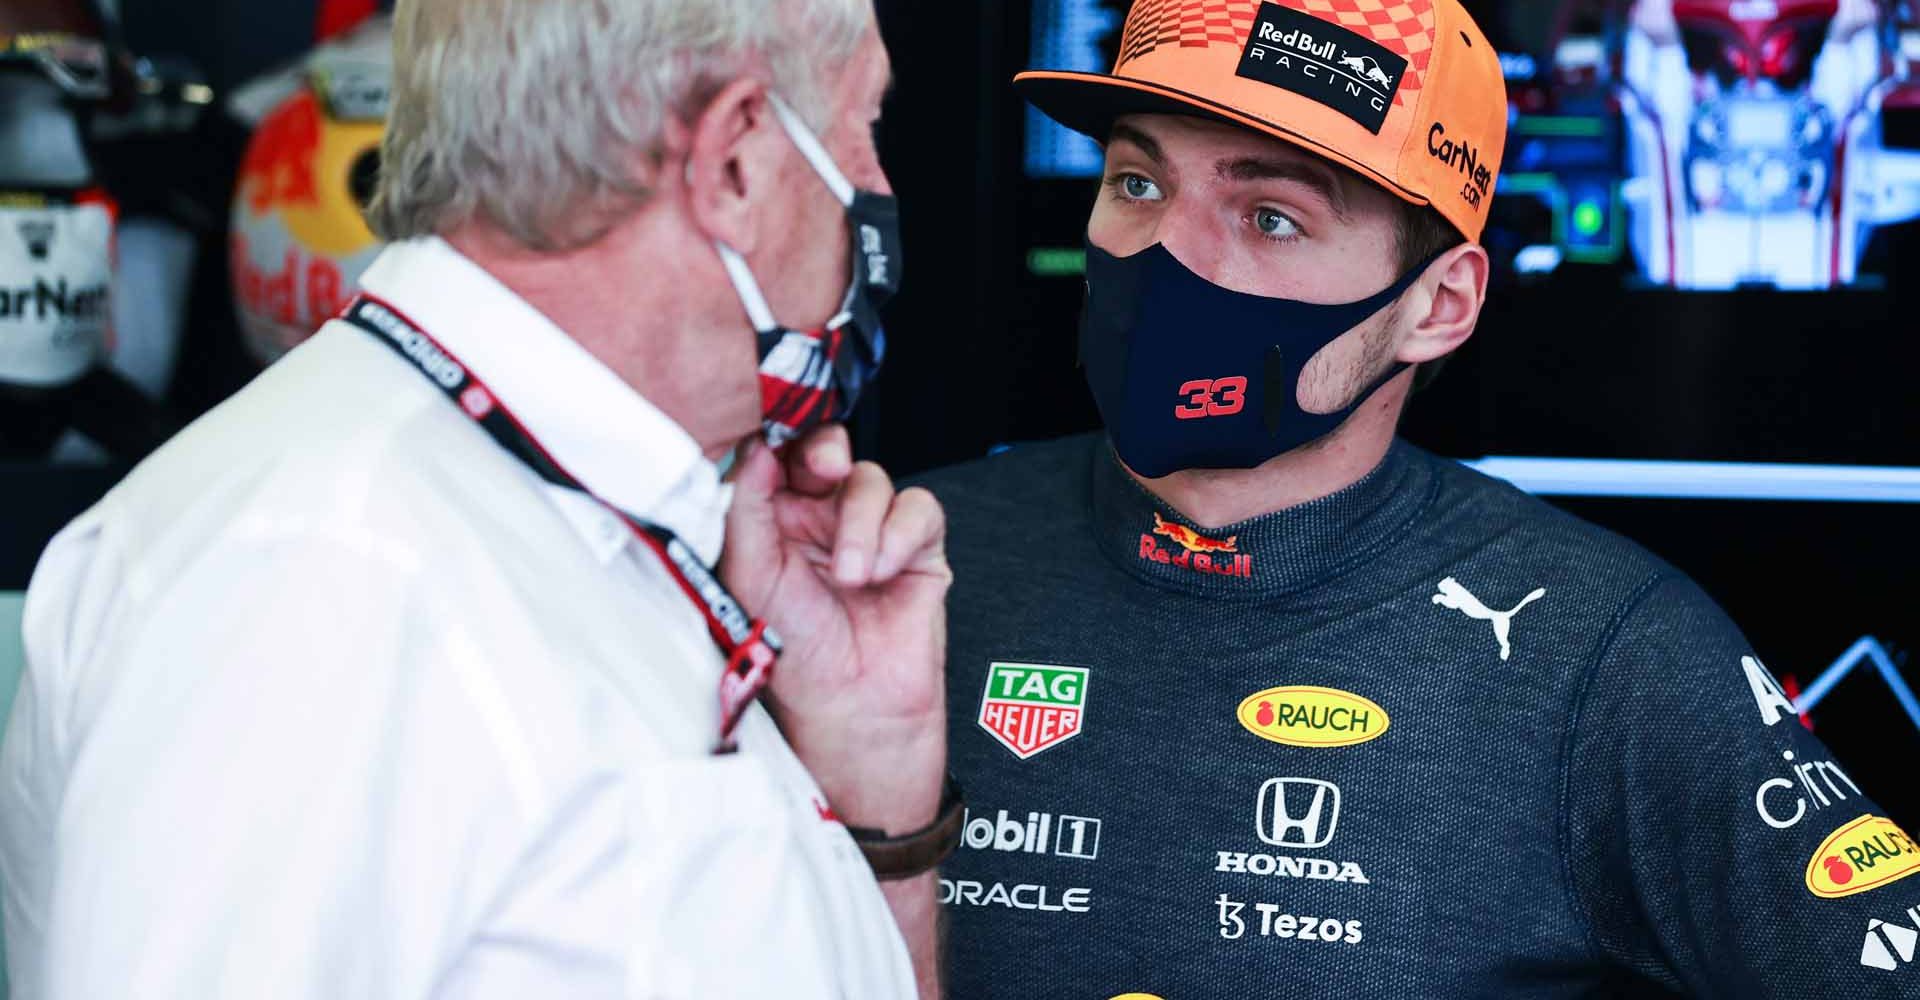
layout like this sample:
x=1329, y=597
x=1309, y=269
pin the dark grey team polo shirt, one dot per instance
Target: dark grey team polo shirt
x=1428, y=737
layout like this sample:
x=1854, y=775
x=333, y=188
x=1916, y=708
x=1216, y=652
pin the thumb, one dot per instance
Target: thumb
x=756, y=475
x=753, y=538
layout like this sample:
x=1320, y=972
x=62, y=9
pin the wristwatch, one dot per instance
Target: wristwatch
x=919, y=852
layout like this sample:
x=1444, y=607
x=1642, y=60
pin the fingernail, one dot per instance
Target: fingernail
x=850, y=566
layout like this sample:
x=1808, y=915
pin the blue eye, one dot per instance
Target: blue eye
x=1274, y=224
x=1139, y=188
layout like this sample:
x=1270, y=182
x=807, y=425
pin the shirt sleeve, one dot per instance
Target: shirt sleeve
x=1713, y=843
x=288, y=774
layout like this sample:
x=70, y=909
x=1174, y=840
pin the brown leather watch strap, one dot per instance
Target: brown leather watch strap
x=921, y=851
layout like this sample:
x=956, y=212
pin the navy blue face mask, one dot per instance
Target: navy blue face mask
x=1189, y=375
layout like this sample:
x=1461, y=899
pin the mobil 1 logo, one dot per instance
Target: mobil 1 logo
x=1324, y=62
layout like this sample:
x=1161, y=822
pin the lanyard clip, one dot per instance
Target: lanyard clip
x=749, y=671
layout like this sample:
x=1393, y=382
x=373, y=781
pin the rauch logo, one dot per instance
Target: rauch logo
x=1312, y=717
x=1865, y=854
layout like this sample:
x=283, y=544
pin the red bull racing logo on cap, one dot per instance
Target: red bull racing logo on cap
x=1402, y=28
x=1320, y=57
x=1030, y=707
x=1191, y=550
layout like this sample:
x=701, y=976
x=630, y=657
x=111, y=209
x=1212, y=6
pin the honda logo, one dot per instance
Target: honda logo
x=1297, y=812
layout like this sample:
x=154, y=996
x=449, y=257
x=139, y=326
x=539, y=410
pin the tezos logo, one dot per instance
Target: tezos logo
x=1890, y=946
x=1325, y=62
x=1276, y=924
x=1312, y=717
x=1040, y=833
x=1030, y=707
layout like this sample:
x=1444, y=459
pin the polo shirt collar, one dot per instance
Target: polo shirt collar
x=609, y=437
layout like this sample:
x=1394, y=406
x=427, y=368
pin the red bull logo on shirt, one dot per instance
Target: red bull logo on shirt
x=1194, y=551
x=1030, y=707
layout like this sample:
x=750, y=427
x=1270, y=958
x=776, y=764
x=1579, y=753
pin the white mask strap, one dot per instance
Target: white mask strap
x=809, y=146
x=748, y=289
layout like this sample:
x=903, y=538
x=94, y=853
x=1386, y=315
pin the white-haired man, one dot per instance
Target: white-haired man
x=404, y=674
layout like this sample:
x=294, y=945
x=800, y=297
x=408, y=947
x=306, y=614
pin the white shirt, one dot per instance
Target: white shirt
x=332, y=697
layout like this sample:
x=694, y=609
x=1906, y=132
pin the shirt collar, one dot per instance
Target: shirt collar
x=623, y=448
x=1266, y=557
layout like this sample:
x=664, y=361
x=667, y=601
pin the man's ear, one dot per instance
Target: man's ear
x=729, y=160
x=1456, y=287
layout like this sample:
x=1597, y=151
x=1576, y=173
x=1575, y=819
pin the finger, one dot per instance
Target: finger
x=813, y=522
x=863, y=510
x=820, y=462
x=915, y=531
x=753, y=540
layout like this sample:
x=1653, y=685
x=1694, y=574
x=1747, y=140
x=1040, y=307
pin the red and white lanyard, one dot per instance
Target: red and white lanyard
x=749, y=646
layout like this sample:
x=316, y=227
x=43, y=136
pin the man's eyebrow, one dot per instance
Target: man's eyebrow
x=1148, y=144
x=1253, y=168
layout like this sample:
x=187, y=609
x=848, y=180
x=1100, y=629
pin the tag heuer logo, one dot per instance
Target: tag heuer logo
x=1030, y=707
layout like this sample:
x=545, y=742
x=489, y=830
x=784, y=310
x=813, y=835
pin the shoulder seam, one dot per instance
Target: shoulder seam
x=1564, y=822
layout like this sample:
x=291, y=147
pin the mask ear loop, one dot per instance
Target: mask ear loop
x=809, y=146
x=817, y=156
x=744, y=285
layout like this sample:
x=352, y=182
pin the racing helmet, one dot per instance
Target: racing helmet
x=56, y=224
x=298, y=240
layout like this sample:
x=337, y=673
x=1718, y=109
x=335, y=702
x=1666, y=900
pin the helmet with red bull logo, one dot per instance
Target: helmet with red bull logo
x=298, y=240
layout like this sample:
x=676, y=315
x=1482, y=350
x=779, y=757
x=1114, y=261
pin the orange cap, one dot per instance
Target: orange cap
x=1408, y=93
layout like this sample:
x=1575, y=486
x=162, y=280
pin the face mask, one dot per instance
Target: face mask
x=809, y=378
x=1189, y=375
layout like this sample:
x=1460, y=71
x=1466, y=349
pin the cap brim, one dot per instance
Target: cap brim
x=1089, y=103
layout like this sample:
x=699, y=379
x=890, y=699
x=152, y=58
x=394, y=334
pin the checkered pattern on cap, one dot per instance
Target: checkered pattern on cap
x=1190, y=23
x=1402, y=26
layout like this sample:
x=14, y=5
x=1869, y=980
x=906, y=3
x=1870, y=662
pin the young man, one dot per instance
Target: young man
x=404, y=672
x=1253, y=699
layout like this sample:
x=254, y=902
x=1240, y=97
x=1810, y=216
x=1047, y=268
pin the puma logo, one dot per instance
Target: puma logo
x=1453, y=595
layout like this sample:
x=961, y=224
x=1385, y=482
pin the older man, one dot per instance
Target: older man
x=404, y=672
